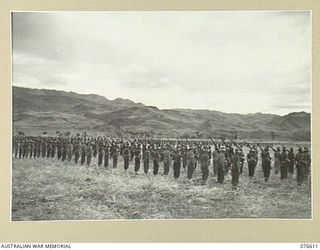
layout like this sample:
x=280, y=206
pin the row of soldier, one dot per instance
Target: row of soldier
x=225, y=155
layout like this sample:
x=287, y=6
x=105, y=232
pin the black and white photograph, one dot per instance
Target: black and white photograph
x=139, y=115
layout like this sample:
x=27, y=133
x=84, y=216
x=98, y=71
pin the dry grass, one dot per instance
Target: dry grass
x=52, y=190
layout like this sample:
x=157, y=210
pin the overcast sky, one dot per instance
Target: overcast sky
x=237, y=62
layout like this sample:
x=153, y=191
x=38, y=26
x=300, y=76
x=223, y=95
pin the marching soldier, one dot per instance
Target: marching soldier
x=307, y=160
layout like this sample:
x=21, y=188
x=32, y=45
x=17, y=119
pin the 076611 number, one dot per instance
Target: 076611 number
x=308, y=245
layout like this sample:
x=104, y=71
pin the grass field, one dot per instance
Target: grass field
x=45, y=189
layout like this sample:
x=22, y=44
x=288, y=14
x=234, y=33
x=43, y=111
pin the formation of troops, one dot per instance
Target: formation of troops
x=224, y=156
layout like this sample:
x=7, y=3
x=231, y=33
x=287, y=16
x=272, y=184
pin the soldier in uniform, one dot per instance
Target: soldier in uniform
x=64, y=151
x=291, y=161
x=156, y=159
x=283, y=164
x=184, y=157
x=242, y=159
x=221, y=161
x=76, y=151
x=106, y=156
x=307, y=160
x=114, y=157
x=252, y=162
x=21, y=149
x=166, y=160
x=48, y=148
x=88, y=154
x=204, y=163
x=190, y=163
x=83, y=153
x=59, y=150
x=214, y=161
x=53, y=149
x=146, y=158
x=235, y=164
x=100, y=155
x=126, y=156
x=266, y=163
x=177, y=164
x=277, y=160
x=43, y=148
x=299, y=159
x=69, y=151
x=137, y=156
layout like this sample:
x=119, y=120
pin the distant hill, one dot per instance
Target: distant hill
x=38, y=110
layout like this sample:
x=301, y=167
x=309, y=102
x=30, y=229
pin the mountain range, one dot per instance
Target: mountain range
x=38, y=111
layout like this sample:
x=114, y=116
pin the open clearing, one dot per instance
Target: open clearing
x=46, y=189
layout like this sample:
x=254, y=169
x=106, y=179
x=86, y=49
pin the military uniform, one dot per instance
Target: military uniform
x=190, y=163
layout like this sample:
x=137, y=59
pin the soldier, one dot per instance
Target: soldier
x=100, y=155
x=146, y=157
x=126, y=156
x=307, y=160
x=21, y=147
x=235, y=163
x=83, y=153
x=266, y=163
x=214, y=161
x=53, y=150
x=43, y=148
x=31, y=148
x=106, y=156
x=291, y=161
x=166, y=161
x=177, y=164
x=251, y=159
x=64, y=151
x=204, y=162
x=283, y=164
x=114, y=157
x=69, y=151
x=156, y=159
x=48, y=149
x=76, y=151
x=300, y=165
x=89, y=154
x=221, y=161
x=190, y=162
x=242, y=159
x=277, y=160
x=59, y=150
x=137, y=156
x=184, y=157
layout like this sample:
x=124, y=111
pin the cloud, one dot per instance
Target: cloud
x=242, y=62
